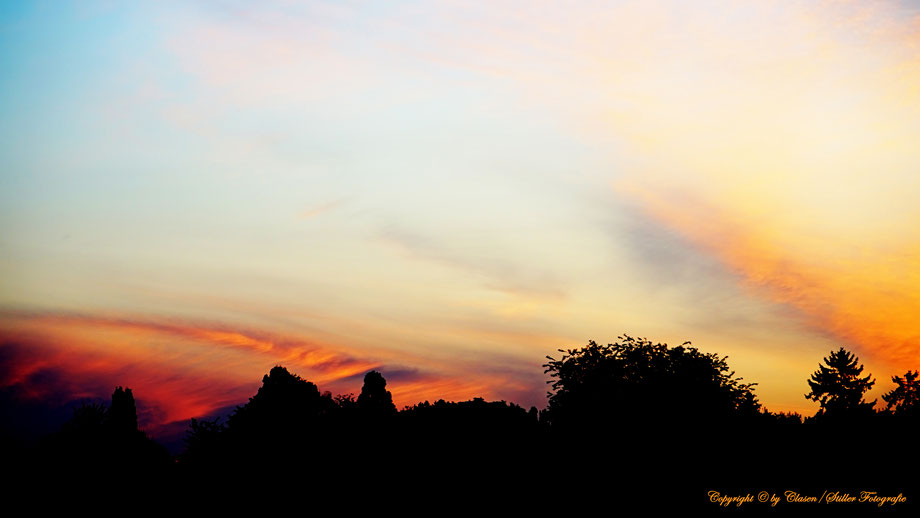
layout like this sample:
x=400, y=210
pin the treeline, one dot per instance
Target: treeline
x=629, y=420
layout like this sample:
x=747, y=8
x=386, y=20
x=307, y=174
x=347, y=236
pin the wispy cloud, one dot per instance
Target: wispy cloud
x=326, y=207
x=491, y=266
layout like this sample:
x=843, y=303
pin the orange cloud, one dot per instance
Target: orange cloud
x=859, y=291
x=779, y=138
x=783, y=142
x=180, y=369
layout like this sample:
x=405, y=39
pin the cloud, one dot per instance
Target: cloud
x=178, y=369
x=777, y=139
x=308, y=354
x=491, y=266
x=798, y=176
x=326, y=207
x=181, y=369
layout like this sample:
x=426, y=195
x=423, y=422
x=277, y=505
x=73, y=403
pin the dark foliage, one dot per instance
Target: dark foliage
x=632, y=424
x=375, y=400
x=122, y=415
x=471, y=422
x=839, y=387
x=637, y=385
x=88, y=418
x=905, y=398
x=285, y=404
x=203, y=442
x=97, y=443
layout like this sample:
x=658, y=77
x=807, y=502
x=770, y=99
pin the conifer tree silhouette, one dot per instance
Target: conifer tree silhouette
x=905, y=399
x=838, y=386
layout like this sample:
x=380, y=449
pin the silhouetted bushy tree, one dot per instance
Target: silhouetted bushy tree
x=375, y=399
x=637, y=384
x=281, y=417
x=634, y=410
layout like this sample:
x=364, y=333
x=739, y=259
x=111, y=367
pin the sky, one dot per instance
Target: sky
x=448, y=192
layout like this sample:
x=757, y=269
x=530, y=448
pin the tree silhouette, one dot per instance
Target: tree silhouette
x=203, y=441
x=122, y=415
x=375, y=399
x=905, y=399
x=285, y=407
x=635, y=409
x=104, y=439
x=88, y=418
x=637, y=383
x=636, y=412
x=838, y=386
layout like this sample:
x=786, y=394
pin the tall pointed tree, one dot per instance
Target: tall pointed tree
x=839, y=385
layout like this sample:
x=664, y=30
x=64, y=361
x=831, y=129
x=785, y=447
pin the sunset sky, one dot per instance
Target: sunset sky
x=445, y=191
